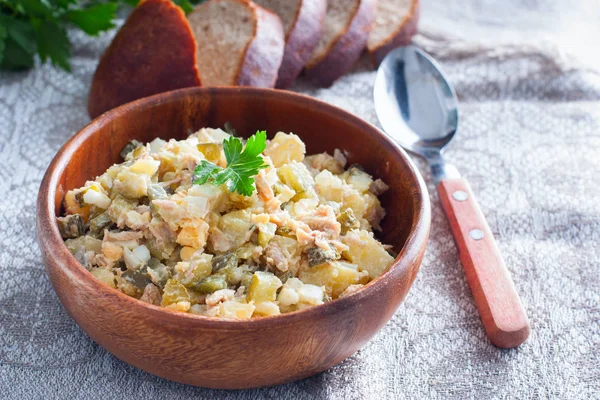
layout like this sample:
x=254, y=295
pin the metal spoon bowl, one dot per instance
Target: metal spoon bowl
x=417, y=107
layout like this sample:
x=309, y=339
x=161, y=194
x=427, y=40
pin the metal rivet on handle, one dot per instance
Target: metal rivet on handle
x=460, y=195
x=476, y=234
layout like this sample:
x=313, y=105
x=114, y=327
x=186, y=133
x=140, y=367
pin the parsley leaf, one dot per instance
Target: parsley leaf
x=242, y=165
x=94, y=19
x=30, y=27
x=53, y=43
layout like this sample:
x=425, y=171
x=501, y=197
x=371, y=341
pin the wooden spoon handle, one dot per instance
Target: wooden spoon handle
x=499, y=304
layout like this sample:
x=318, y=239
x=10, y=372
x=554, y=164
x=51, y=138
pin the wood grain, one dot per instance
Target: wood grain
x=222, y=353
x=497, y=300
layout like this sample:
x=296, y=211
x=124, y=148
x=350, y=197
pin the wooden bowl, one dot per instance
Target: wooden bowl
x=220, y=353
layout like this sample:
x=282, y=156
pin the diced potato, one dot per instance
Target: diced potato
x=97, y=199
x=367, y=252
x=173, y=293
x=105, y=276
x=351, y=198
x=201, y=199
x=358, y=179
x=296, y=176
x=310, y=294
x=374, y=213
x=130, y=184
x=235, y=309
x=283, y=192
x=328, y=186
x=147, y=166
x=266, y=309
x=263, y=287
x=285, y=148
x=334, y=276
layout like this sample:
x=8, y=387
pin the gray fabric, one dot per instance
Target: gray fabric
x=528, y=76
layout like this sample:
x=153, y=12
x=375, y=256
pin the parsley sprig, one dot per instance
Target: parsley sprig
x=242, y=165
x=30, y=27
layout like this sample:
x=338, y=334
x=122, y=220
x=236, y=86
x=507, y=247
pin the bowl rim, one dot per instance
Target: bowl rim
x=55, y=251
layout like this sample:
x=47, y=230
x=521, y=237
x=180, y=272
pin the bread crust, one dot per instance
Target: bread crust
x=402, y=36
x=301, y=40
x=346, y=50
x=264, y=53
x=140, y=60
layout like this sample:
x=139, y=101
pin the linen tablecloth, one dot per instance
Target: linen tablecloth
x=528, y=77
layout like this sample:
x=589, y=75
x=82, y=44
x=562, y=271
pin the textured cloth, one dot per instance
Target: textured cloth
x=528, y=77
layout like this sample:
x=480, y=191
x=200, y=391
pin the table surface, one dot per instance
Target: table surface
x=529, y=143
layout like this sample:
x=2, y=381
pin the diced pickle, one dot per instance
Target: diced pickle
x=233, y=275
x=334, y=276
x=223, y=261
x=296, y=176
x=285, y=276
x=129, y=147
x=348, y=221
x=211, y=284
x=158, y=272
x=156, y=192
x=263, y=287
x=194, y=271
x=212, y=151
x=173, y=293
x=318, y=256
x=266, y=233
x=100, y=222
x=286, y=232
x=136, y=278
x=227, y=127
x=119, y=207
x=71, y=226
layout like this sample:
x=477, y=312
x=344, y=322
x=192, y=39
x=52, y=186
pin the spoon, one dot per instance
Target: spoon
x=418, y=108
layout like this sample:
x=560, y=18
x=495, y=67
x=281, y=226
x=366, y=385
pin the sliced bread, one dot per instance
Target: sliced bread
x=344, y=36
x=394, y=25
x=302, y=23
x=238, y=43
x=141, y=62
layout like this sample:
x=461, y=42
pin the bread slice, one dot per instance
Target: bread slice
x=141, y=62
x=302, y=23
x=394, y=25
x=345, y=32
x=238, y=43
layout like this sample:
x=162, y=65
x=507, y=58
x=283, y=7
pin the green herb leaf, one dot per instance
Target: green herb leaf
x=185, y=5
x=3, y=35
x=94, y=19
x=243, y=163
x=53, y=43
